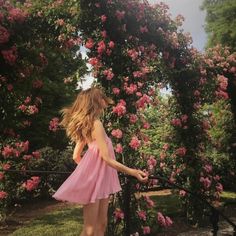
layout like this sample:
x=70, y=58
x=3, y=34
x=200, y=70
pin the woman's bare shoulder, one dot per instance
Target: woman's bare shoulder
x=97, y=126
x=97, y=123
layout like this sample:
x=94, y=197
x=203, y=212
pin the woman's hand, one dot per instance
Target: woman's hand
x=140, y=175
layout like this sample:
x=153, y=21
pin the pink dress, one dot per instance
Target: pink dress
x=92, y=179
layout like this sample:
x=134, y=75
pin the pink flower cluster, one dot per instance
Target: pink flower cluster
x=120, y=14
x=135, y=143
x=108, y=73
x=17, y=15
x=143, y=101
x=19, y=148
x=101, y=47
x=53, y=124
x=30, y=110
x=117, y=133
x=152, y=162
x=133, y=54
x=223, y=83
x=133, y=118
x=10, y=55
x=89, y=44
x=4, y=35
x=118, y=214
x=3, y=195
x=131, y=89
x=32, y=183
x=164, y=221
x=180, y=121
x=146, y=230
x=219, y=187
x=206, y=182
x=142, y=215
x=93, y=61
x=120, y=108
x=181, y=151
x=119, y=148
x=143, y=29
x=208, y=168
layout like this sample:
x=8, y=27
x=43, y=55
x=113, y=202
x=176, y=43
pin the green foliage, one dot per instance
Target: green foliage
x=221, y=22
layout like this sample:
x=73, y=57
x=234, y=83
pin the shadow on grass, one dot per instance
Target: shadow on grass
x=66, y=222
x=168, y=204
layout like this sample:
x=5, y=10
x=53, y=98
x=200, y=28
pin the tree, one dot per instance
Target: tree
x=221, y=29
x=40, y=65
x=220, y=22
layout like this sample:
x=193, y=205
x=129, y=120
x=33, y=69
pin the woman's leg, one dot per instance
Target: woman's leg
x=101, y=223
x=90, y=213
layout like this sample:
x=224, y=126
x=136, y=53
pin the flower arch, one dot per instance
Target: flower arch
x=135, y=48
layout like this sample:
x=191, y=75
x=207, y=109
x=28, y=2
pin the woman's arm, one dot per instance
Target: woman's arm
x=77, y=151
x=100, y=136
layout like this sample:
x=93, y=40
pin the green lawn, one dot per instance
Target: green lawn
x=61, y=222
x=68, y=222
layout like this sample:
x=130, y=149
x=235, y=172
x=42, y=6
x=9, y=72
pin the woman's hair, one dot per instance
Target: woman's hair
x=78, y=118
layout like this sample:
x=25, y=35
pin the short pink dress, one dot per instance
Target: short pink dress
x=92, y=179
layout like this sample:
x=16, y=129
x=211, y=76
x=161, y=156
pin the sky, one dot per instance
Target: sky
x=194, y=23
x=194, y=18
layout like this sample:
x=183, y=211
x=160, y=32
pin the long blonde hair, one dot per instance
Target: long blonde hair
x=78, y=118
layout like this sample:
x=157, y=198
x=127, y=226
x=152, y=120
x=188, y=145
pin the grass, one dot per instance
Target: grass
x=168, y=204
x=68, y=221
x=61, y=222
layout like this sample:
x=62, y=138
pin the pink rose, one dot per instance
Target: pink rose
x=181, y=151
x=111, y=44
x=119, y=148
x=93, y=61
x=146, y=125
x=176, y=122
x=206, y=182
x=117, y=133
x=142, y=215
x=120, y=14
x=143, y=29
x=108, y=73
x=103, y=18
x=118, y=214
x=146, y=230
x=4, y=35
x=89, y=44
x=7, y=151
x=101, y=47
x=32, y=183
x=119, y=109
x=133, y=118
x=53, y=124
x=3, y=195
x=16, y=14
x=10, y=55
x=135, y=143
x=36, y=154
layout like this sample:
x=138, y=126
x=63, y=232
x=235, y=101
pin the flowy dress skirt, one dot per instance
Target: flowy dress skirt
x=92, y=179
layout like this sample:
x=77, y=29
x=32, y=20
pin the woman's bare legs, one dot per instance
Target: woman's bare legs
x=101, y=223
x=90, y=213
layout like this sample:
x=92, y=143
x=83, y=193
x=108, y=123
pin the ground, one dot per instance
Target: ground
x=21, y=216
